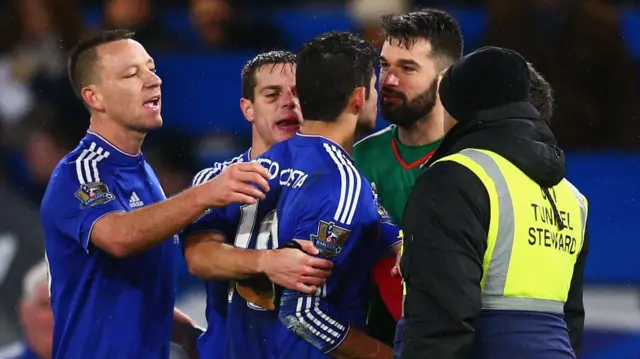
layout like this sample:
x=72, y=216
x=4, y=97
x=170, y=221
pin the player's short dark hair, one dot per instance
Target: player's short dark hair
x=541, y=94
x=254, y=65
x=330, y=67
x=436, y=26
x=82, y=56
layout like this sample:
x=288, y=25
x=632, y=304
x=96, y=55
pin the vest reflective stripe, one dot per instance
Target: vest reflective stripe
x=490, y=168
x=583, y=206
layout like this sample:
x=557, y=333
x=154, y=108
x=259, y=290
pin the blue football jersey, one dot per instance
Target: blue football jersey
x=211, y=343
x=318, y=195
x=105, y=307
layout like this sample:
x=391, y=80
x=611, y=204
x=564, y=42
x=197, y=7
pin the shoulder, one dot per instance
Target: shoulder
x=374, y=139
x=84, y=165
x=446, y=175
x=341, y=188
x=447, y=187
x=209, y=173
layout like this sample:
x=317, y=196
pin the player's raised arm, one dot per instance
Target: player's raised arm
x=333, y=224
x=99, y=220
x=210, y=258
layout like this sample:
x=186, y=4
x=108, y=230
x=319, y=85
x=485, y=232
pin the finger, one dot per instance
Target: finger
x=320, y=263
x=315, y=272
x=249, y=190
x=314, y=281
x=306, y=289
x=308, y=247
x=251, y=177
x=242, y=198
x=395, y=273
x=256, y=168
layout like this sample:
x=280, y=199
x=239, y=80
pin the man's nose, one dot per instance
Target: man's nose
x=390, y=80
x=288, y=99
x=153, y=80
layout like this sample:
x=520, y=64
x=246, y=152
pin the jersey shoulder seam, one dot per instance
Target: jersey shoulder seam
x=374, y=135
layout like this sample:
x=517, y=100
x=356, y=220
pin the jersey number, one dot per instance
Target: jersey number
x=266, y=238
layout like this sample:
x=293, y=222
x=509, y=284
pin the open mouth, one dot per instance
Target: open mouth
x=152, y=104
x=289, y=124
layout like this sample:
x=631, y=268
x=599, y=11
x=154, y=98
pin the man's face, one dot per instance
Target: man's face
x=367, y=119
x=127, y=88
x=275, y=110
x=37, y=320
x=408, y=82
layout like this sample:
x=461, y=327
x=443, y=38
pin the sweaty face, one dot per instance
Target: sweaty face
x=275, y=110
x=37, y=320
x=367, y=119
x=128, y=89
x=408, y=82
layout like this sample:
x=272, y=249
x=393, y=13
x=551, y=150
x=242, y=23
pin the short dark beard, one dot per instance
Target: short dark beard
x=409, y=112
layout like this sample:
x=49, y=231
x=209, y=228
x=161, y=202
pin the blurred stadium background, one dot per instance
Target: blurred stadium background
x=589, y=50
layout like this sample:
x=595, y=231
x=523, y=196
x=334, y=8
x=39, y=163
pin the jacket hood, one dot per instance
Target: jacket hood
x=517, y=133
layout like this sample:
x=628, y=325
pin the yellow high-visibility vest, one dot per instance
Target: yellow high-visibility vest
x=529, y=261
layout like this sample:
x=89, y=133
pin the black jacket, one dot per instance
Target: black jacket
x=446, y=223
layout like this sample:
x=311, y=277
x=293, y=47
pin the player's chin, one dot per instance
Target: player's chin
x=152, y=122
x=286, y=131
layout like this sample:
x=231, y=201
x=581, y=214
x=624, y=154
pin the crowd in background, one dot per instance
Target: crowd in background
x=577, y=44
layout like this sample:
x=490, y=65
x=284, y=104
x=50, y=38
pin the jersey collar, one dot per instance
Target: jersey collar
x=92, y=139
x=303, y=135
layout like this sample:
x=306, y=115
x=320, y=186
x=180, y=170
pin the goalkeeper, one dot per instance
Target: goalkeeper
x=391, y=158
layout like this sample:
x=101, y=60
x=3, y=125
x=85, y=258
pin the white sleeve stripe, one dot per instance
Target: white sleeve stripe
x=79, y=166
x=308, y=326
x=94, y=164
x=350, y=195
x=323, y=315
x=349, y=192
x=314, y=320
x=87, y=164
x=209, y=176
x=87, y=167
x=356, y=198
x=341, y=200
x=200, y=175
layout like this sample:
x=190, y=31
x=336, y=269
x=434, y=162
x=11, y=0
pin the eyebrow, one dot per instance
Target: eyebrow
x=149, y=62
x=271, y=88
x=403, y=62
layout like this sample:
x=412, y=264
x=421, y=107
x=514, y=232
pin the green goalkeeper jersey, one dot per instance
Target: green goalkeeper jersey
x=391, y=167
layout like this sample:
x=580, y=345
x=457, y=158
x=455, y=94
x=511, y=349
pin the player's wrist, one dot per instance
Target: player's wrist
x=197, y=197
x=264, y=259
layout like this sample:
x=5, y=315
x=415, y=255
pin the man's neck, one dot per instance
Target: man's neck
x=126, y=140
x=341, y=131
x=258, y=145
x=423, y=131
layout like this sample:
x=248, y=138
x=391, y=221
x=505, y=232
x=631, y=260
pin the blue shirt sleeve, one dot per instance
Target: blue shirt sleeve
x=389, y=236
x=389, y=231
x=327, y=215
x=77, y=197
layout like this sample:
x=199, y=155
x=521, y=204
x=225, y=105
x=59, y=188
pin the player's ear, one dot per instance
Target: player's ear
x=92, y=97
x=247, y=109
x=440, y=75
x=358, y=99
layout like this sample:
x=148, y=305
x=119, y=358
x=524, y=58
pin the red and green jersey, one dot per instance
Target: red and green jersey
x=391, y=167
